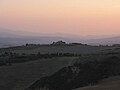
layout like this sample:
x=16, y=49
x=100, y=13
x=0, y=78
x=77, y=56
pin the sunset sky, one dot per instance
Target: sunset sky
x=78, y=17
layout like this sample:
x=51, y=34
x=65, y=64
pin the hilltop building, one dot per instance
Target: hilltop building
x=59, y=43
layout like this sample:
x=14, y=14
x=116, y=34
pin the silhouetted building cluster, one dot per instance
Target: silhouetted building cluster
x=59, y=43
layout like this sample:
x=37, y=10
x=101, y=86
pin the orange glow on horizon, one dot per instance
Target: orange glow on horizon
x=73, y=16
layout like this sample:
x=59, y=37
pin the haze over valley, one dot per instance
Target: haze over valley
x=16, y=38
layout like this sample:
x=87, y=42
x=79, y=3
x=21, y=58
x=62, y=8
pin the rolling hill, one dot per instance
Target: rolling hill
x=15, y=38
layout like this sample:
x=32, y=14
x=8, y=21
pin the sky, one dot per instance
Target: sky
x=78, y=17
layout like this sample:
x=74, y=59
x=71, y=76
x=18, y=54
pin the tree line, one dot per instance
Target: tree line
x=7, y=58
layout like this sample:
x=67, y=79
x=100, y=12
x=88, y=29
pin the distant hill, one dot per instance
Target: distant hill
x=104, y=41
x=15, y=38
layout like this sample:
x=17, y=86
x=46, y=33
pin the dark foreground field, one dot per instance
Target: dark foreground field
x=85, y=74
x=28, y=65
x=20, y=76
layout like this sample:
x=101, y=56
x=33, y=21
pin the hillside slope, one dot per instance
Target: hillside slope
x=88, y=70
x=112, y=83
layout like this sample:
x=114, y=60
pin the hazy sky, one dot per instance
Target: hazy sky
x=81, y=17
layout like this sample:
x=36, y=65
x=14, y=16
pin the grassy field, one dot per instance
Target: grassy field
x=20, y=76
